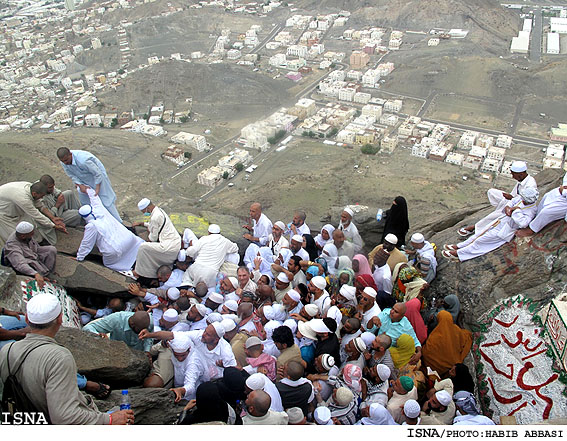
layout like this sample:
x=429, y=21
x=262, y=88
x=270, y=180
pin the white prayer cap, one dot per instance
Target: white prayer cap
x=181, y=343
x=359, y=345
x=213, y=317
x=417, y=238
x=268, y=312
x=412, y=409
x=231, y=305
x=322, y=415
x=143, y=204
x=182, y=256
x=293, y=295
x=369, y=291
x=367, y=338
x=219, y=328
x=256, y=381
x=319, y=282
x=279, y=312
x=297, y=238
x=291, y=324
x=234, y=282
x=383, y=372
x=344, y=396
x=311, y=309
x=280, y=225
x=348, y=292
x=85, y=210
x=252, y=341
x=171, y=315
x=306, y=330
x=43, y=308
x=443, y=397
x=214, y=229
x=201, y=309
x=328, y=361
x=295, y=415
x=283, y=278
x=216, y=298
x=518, y=167
x=318, y=325
x=529, y=194
x=228, y=325
x=173, y=293
x=24, y=227
x=391, y=238
x=349, y=211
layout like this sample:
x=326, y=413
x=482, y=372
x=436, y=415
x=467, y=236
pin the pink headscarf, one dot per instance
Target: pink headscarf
x=412, y=313
x=352, y=374
x=363, y=265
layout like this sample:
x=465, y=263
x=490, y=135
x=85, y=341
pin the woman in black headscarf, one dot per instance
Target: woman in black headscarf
x=461, y=378
x=232, y=385
x=310, y=247
x=397, y=221
x=208, y=406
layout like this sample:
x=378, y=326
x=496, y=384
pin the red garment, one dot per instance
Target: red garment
x=367, y=280
x=266, y=361
x=412, y=313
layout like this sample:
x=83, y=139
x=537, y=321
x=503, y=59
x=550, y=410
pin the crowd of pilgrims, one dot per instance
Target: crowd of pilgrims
x=305, y=329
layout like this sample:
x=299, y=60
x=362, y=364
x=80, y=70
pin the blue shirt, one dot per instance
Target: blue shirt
x=395, y=329
x=117, y=325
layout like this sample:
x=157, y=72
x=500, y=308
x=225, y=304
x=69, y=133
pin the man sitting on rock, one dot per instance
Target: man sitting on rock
x=26, y=256
x=62, y=204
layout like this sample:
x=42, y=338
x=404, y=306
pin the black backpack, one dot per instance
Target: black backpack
x=14, y=399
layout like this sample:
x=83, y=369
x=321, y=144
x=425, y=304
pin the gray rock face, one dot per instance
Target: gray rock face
x=69, y=243
x=8, y=288
x=535, y=267
x=90, y=277
x=151, y=406
x=108, y=361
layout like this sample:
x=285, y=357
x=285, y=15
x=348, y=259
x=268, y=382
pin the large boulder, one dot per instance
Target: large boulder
x=150, y=406
x=111, y=362
x=535, y=267
x=90, y=277
x=9, y=291
x=69, y=243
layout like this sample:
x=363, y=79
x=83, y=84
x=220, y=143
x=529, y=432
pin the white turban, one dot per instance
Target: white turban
x=282, y=277
x=173, y=293
x=228, y=325
x=367, y=338
x=215, y=297
x=256, y=381
x=348, y=292
x=24, y=227
x=231, y=305
x=529, y=194
x=214, y=229
x=201, y=309
x=291, y=324
x=143, y=204
x=182, y=256
x=417, y=238
x=383, y=372
x=322, y=416
x=219, y=329
x=311, y=309
x=233, y=281
x=518, y=167
x=297, y=238
x=213, y=317
x=319, y=282
x=181, y=342
x=86, y=211
x=391, y=238
x=412, y=409
x=278, y=312
x=43, y=308
x=294, y=295
x=443, y=397
x=349, y=211
x=280, y=225
x=369, y=291
x=171, y=315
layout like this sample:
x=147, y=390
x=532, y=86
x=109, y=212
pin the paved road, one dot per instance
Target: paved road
x=536, y=37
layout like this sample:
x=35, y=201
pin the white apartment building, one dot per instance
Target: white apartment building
x=198, y=142
x=372, y=109
x=455, y=158
x=393, y=106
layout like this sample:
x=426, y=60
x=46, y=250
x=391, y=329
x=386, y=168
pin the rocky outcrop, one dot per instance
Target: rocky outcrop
x=9, y=294
x=151, y=406
x=90, y=277
x=108, y=361
x=535, y=267
x=69, y=243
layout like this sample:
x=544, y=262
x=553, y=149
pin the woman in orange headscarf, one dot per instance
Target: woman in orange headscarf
x=447, y=345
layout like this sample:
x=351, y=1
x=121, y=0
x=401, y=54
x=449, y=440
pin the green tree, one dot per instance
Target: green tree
x=161, y=121
x=225, y=175
x=369, y=149
x=120, y=71
x=114, y=122
x=188, y=155
x=239, y=167
x=305, y=133
x=184, y=119
x=101, y=125
x=145, y=116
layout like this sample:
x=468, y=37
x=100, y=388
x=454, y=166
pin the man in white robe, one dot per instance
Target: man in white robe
x=86, y=170
x=423, y=250
x=209, y=253
x=276, y=239
x=350, y=231
x=516, y=214
x=261, y=226
x=296, y=247
x=382, y=274
x=499, y=198
x=115, y=242
x=164, y=241
x=298, y=225
x=21, y=201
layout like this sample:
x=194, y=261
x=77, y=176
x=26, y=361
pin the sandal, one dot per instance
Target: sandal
x=103, y=391
x=464, y=232
x=447, y=247
x=446, y=254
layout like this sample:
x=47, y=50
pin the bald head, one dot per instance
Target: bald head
x=260, y=401
x=294, y=370
x=245, y=310
x=338, y=238
x=264, y=291
x=138, y=321
x=201, y=289
x=255, y=210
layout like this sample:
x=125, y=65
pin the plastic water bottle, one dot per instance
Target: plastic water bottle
x=379, y=215
x=125, y=400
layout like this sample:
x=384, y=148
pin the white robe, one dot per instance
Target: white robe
x=262, y=229
x=383, y=278
x=502, y=230
x=352, y=235
x=209, y=253
x=115, y=242
x=162, y=248
x=552, y=207
x=499, y=202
